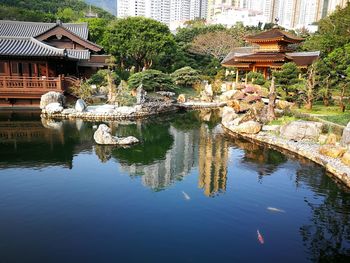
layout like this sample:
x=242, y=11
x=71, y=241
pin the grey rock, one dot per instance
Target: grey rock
x=227, y=95
x=53, y=108
x=51, y=97
x=103, y=136
x=80, y=105
x=301, y=130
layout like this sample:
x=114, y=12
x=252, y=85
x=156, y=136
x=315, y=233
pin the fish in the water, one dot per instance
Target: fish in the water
x=260, y=237
x=274, y=209
x=187, y=197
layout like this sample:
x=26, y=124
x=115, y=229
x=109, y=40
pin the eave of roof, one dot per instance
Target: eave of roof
x=273, y=35
x=31, y=47
x=32, y=29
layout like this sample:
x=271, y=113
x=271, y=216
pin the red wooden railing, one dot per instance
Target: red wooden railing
x=28, y=87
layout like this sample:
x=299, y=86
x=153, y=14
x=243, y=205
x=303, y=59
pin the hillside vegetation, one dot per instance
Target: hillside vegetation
x=47, y=10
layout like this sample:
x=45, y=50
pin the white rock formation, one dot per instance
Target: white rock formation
x=51, y=97
x=54, y=107
x=301, y=130
x=103, y=136
x=80, y=105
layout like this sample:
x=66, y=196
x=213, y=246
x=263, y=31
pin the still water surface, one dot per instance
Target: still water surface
x=186, y=193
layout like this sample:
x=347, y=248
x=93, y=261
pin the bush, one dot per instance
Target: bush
x=83, y=91
x=186, y=77
x=100, y=78
x=151, y=80
x=256, y=78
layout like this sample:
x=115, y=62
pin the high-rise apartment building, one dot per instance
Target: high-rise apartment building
x=299, y=13
x=164, y=11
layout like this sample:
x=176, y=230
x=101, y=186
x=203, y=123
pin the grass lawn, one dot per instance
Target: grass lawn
x=330, y=113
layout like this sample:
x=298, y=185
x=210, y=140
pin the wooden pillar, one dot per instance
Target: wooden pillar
x=237, y=75
x=47, y=69
x=246, y=78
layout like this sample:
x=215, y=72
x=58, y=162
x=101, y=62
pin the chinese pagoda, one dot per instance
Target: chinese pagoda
x=269, y=51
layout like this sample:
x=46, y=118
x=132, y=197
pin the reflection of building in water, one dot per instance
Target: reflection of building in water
x=213, y=157
x=177, y=163
x=31, y=142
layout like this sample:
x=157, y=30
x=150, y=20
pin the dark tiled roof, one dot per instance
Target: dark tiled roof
x=30, y=47
x=302, y=59
x=79, y=54
x=27, y=47
x=273, y=35
x=33, y=29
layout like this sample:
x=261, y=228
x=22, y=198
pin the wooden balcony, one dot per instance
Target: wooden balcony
x=14, y=87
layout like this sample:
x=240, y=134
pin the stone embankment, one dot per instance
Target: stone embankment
x=304, y=138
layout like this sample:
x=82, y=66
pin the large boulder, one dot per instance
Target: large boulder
x=301, y=130
x=239, y=106
x=103, y=136
x=53, y=108
x=228, y=114
x=228, y=95
x=51, y=97
x=249, y=127
x=345, y=139
x=283, y=105
x=80, y=105
x=333, y=151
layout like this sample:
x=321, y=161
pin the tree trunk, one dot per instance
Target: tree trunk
x=342, y=105
x=272, y=101
x=111, y=88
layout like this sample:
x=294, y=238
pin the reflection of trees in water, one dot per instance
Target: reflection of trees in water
x=327, y=235
x=155, y=141
x=260, y=158
x=213, y=157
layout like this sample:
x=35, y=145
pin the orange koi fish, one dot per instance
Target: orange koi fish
x=260, y=238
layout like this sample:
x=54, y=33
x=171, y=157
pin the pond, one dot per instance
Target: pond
x=186, y=193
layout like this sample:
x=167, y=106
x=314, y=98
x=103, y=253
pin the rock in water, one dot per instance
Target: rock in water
x=301, y=130
x=51, y=97
x=103, y=136
x=127, y=140
x=345, y=139
x=80, y=105
x=53, y=108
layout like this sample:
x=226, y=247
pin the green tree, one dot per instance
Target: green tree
x=333, y=32
x=151, y=80
x=287, y=79
x=97, y=28
x=338, y=61
x=138, y=41
x=186, y=77
x=256, y=78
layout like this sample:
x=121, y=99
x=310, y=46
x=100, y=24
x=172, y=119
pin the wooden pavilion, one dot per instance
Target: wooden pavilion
x=269, y=51
x=39, y=57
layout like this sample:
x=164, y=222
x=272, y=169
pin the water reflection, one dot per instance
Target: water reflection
x=171, y=149
x=326, y=236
